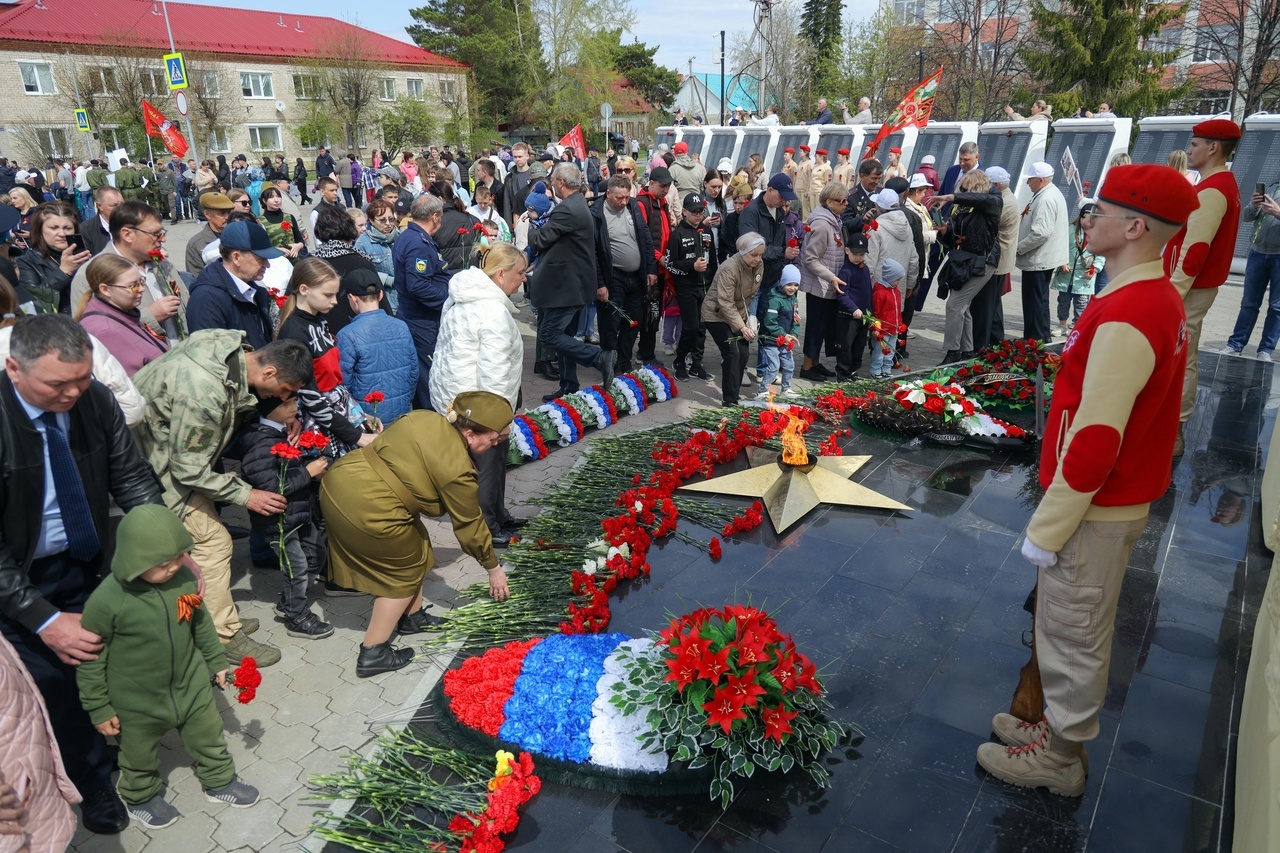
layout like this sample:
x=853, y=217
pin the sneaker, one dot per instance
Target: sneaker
x=240, y=647
x=763, y=396
x=1049, y=762
x=248, y=624
x=309, y=627
x=777, y=379
x=702, y=374
x=787, y=392
x=1264, y=356
x=332, y=590
x=235, y=793
x=1228, y=350
x=155, y=813
x=669, y=349
x=681, y=374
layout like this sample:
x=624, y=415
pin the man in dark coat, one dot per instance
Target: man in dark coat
x=324, y=164
x=224, y=295
x=53, y=523
x=422, y=285
x=566, y=278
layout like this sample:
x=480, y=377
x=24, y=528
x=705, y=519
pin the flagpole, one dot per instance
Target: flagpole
x=191, y=137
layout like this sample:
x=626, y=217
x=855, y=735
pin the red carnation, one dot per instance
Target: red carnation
x=246, y=678
x=716, y=550
x=374, y=397
x=286, y=226
x=793, y=243
x=807, y=229
x=156, y=255
x=285, y=451
x=478, y=227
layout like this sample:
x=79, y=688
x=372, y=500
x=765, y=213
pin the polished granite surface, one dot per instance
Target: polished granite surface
x=918, y=623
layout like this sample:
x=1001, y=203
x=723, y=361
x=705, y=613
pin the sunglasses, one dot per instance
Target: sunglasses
x=243, y=203
x=626, y=171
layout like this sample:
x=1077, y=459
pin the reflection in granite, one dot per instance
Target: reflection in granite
x=918, y=623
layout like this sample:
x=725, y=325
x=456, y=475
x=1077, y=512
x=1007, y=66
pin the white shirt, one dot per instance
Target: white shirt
x=82, y=179
x=246, y=289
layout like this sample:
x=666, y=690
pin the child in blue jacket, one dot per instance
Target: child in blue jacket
x=854, y=302
x=375, y=350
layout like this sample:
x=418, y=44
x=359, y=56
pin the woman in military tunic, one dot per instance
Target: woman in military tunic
x=372, y=499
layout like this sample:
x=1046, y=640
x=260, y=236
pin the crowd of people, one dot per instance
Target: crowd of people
x=341, y=373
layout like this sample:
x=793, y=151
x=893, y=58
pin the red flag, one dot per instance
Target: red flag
x=159, y=126
x=575, y=140
x=912, y=111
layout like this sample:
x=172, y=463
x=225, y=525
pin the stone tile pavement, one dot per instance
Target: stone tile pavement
x=312, y=711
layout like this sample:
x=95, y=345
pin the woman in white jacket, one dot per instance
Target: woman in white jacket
x=479, y=348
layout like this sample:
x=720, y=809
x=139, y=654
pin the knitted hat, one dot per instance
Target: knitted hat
x=483, y=408
x=891, y=270
x=148, y=535
x=538, y=203
x=790, y=275
x=1150, y=190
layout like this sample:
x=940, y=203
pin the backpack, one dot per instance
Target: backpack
x=593, y=171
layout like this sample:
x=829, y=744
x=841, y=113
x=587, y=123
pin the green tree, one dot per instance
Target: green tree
x=1090, y=51
x=635, y=62
x=500, y=40
x=407, y=124
x=821, y=31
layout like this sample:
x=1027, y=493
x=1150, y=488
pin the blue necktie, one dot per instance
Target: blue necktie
x=82, y=536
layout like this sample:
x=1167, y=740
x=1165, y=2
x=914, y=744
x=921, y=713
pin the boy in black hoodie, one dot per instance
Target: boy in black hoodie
x=691, y=259
x=854, y=302
x=297, y=537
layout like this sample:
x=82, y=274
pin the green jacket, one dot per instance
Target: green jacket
x=96, y=178
x=151, y=665
x=196, y=395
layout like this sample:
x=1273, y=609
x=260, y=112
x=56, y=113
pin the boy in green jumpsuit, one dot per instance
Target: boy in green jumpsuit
x=160, y=653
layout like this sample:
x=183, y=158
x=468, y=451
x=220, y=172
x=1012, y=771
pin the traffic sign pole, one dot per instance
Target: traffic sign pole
x=191, y=137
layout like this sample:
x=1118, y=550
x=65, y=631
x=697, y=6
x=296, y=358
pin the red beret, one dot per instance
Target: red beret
x=1151, y=190
x=804, y=147
x=844, y=151
x=1217, y=128
x=821, y=151
x=788, y=150
x=895, y=150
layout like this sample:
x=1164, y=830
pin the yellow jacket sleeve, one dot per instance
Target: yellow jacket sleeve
x=1201, y=229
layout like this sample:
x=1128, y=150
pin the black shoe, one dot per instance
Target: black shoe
x=902, y=353
x=272, y=563
x=654, y=362
x=824, y=372
x=502, y=539
x=309, y=627
x=841, y=376
x=968, y=355
x=812, y=374
x=555, y=395
x=417, y=623
x=950, y=356
x=681, y=373
x=547, y=368
x=700, y=373
x=383, y=657
x=236, y=531
x=514, y=523
x=103, y=812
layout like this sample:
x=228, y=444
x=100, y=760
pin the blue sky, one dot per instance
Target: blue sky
x=682, y=30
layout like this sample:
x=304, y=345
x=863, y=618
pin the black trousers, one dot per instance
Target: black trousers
x=983, y=311
x=820, y=326
x=733, y=360
x=626, y=290
x=1035, y=304
x=491, y=472
x=650, y=321
x=693, y=337
x=851, y=336
x=65, y=583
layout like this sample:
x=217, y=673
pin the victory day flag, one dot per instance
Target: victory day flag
x=575, y=140
x=911, y=111
x=159, y=126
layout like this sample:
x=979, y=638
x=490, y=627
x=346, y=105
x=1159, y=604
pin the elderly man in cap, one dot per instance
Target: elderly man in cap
x=1041, y=249
x=1104, y=459
x=217, y=207
x=1198, y=259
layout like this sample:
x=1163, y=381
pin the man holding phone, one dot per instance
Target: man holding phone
x=1261, y=271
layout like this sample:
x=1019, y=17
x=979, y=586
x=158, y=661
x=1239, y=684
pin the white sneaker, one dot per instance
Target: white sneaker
x=1228, y=350
x=787, y=392
x=1264, y=356
x=669, y=349
x=763, y=395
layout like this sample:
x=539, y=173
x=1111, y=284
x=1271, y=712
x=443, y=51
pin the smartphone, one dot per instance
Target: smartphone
x=76, y=240
x=1259, y=188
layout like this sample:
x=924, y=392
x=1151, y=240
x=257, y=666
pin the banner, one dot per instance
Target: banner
x=911, y=111
x=575, y=140
x=159, y=126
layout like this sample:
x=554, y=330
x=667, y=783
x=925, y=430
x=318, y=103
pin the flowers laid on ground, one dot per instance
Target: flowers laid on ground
x=428, y=796
x=1004, y=374
x=926, y=406
x=723, y=688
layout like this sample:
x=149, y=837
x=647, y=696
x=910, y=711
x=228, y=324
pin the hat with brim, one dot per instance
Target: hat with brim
x=361, y=282
x=484, y=409
x=249, y=237
x=919, y=181
x=782, y=184
x=148, y=535
x=998, y=175
x=216, y=201
x=661, y=175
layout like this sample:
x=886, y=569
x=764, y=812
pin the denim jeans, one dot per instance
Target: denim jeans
x=553, y=328
x=302, y=561
x=1068, y=300
x=1260, y=271
x=775, y=357
x=881, y=361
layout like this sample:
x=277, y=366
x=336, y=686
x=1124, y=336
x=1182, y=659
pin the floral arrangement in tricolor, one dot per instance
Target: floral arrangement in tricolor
x=723, y=688
x=947, y=400
x=565, y=420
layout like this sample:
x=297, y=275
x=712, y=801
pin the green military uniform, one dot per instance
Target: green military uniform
x=96, y=177
x=376, y=542
x=164, y=186
x=129, y=182
x=155, y=667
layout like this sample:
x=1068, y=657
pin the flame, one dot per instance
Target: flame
x=794, y=451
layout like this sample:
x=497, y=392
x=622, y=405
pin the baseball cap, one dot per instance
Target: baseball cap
x=404, y=203
x=928, y=160
x=1038, y=170
x=661, y=175
x=547, y=157
x=21, y=175
x=361, y=282
x=249, y=237
x=695, y=203
x=998, y=175
x=680, y=148
x=886, y=199
x=782, y=184
x=918, y=180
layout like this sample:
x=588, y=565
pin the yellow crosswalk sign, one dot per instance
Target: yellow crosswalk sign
x=176, y=70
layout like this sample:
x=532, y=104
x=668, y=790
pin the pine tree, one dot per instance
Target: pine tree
x=822, y=31
x=1090, y=51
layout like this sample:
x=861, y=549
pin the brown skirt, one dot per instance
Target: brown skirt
x=375, y=546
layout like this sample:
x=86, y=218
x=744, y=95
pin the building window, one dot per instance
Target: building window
x=449, y=90
x=309, y=140
x=219, y=143
x=360, y=140
x=265, y=137
x=103, y=80
x=387, y=89
x=54, y=141
x=112, y=138
x=909, y=11
x=306, y=87
x=1214, y=44
x=254, y=84
x=37, y=79
x=415, y=90
x=155, y=84
x=210, y=85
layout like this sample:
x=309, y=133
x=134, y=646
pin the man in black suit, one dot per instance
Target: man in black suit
x=566, y=277
x=65, y=452
x=96, y=230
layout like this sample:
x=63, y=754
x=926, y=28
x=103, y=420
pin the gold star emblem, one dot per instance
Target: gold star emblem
x=790, y=491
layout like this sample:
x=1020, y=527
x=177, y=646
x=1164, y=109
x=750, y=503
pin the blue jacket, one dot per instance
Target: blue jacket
x=857, y=291
x=377, y=354
x=216, y=303
x=380, y=252
x=422, y=277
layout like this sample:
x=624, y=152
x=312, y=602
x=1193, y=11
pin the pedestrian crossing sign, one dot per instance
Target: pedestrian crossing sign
x=177, y=71
x=82, y=121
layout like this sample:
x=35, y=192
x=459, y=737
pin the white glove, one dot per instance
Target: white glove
x=1038, y=556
